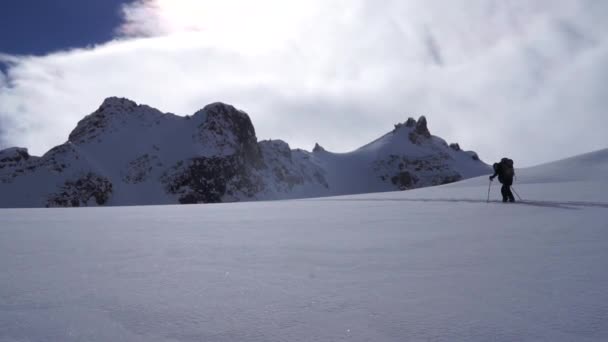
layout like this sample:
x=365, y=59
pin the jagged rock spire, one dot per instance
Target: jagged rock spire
x=455, y=147
x=421, y=127
x=411, y=122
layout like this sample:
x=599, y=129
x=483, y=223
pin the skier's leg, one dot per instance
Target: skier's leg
x=511, y=197
x=505, y=192
x=509, y=192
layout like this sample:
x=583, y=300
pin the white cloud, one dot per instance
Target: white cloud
x=520, y=78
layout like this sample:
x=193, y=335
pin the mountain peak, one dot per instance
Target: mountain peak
x=411, y=122
x=114, y=101
x=228, y=128
x=421, y=127
x=220, y=107
x=221, y=116
x=113, y=109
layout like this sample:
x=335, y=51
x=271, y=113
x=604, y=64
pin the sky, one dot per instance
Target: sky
x=518, y=78
x=38, y=27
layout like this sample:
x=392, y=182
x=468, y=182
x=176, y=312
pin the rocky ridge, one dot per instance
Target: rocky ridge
x=130, y=154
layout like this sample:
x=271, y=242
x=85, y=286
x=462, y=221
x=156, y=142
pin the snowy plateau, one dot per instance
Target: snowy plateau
x=437, y=263
x=130, y=154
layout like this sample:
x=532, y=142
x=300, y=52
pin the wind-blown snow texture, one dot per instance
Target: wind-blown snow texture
x=433, y=264
x=129, y=154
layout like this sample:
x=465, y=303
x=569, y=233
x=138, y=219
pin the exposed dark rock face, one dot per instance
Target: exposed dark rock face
x=421, y=128
x=411, y=122
x=209, y=180
x=15, y=162
x=231, y=131
x=415, y=138
x=79, y=192
x=232, y=172
x=408, y=173
x=318, y=148
x=421, y=132
x=404, y=180
x=455, y=147
x=13, y=156
x=88, y=128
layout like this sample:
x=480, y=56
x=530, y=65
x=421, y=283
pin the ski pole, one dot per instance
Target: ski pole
x=513, y=188
x=489, y=187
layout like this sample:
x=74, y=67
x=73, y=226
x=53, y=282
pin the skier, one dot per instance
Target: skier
x=505, y=172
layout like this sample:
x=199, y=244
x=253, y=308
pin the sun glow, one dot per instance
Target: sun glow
x=262, y=21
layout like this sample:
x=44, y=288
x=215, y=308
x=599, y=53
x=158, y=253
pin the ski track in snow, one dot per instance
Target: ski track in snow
x=546, y=204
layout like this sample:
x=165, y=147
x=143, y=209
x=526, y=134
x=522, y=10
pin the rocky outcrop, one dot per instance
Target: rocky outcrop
x=13, y=156
x=14, y=162
x=411, y=122
x=88, y=189
x=409, y=173
x=421, y=128
x=404, y=180
x=232, y=161
x=229, y=131
x=419, y=133
x=318, y=148
x=211, y=180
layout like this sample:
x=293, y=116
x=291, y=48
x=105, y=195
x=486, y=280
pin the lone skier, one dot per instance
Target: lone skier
x=505, y=172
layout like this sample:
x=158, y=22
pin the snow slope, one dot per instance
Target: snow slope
x=580, y=178
x=433, y=264
x=408, y=157
x=130, y=154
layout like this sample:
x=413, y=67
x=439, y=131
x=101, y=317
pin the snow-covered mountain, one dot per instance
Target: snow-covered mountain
x=130, y=154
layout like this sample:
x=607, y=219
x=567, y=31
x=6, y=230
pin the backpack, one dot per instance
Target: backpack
x=506, y=166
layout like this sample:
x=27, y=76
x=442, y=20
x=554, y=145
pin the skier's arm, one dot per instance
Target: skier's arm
x=494, y=175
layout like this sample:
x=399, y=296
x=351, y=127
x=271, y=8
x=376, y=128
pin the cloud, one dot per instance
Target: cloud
x=516, y=78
